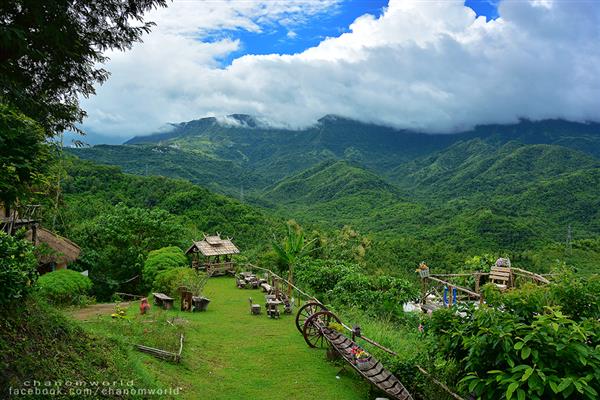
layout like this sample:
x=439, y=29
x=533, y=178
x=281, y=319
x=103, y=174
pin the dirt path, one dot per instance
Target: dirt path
x=89, y=312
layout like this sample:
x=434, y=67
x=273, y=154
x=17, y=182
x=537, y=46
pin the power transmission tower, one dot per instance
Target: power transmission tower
x=569, y=243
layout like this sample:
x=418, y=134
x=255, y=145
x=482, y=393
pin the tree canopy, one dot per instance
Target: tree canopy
x=50, y=52
x=24, y=154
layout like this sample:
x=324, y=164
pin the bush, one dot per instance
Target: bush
x=319, y=277
x=18, y=268
x=550, y=357
x=378, y=294
x=169, y=281
x=524, y=302
x=161, y=260
x=64, y=287
x=578, y=296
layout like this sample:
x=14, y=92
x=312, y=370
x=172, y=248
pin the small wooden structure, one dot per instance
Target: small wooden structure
x=163, y=354
x=213, y=254
x=502, y=274
x=14, y=218
x=162, y=300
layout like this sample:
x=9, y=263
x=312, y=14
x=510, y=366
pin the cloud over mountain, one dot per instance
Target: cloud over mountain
x=424, y=65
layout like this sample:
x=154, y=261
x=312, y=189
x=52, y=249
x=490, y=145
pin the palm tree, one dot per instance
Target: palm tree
x=292, y=249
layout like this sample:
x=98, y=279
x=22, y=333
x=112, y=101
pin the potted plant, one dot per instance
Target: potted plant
x=362, y=359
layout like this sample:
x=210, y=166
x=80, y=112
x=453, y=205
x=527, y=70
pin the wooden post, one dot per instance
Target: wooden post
x=477, y=281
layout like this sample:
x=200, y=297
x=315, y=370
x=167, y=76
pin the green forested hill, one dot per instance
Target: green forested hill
x=475, y=166
x=92, y=189
x=227, y=157
x=498, y=188
x=330, y=181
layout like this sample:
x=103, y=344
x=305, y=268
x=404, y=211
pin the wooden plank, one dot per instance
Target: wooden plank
x=388, y=383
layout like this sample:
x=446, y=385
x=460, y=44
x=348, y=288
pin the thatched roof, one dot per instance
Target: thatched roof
x=213, y=246
x=64, y=250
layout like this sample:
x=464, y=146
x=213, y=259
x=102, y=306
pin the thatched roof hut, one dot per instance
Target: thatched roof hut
x=213, y=246
x=63, y=251
x=217, y=254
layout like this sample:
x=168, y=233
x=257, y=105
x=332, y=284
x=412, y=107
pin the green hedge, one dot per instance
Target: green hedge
x=64, y=287
x=161, y=260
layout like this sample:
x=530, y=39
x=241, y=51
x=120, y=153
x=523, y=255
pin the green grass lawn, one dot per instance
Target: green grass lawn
x=230, y=354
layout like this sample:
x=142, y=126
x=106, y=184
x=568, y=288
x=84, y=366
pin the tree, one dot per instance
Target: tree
x=18, y=268
x=115, y=245
x=24, y=154
x=160, y=260
x=50, y=52
x=292, y=249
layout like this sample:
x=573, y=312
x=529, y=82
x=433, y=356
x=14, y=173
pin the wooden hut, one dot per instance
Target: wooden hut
x=55, y=251
x=213, y=254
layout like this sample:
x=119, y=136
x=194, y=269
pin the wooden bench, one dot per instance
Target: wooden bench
x=162, y=300
x=501, y=276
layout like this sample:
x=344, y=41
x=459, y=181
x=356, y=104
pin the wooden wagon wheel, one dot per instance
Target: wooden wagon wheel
x=313, y=335
x=306, y=311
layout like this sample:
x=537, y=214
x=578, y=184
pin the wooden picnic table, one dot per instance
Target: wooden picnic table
x=162, y=300
x=272, y=307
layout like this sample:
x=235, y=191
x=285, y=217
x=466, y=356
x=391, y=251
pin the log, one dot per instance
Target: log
x=462, y=289
x=532, y=275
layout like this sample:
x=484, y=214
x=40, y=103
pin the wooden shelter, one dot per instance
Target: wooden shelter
x=213, y=254
x=59, y=250
x=54, y=251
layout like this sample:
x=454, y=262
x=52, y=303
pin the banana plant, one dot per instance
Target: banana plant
x=291, y=250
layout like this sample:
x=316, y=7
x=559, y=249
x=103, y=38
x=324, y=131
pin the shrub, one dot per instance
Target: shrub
x=524, y=302
x=18, y=268
x=320, y=276
x=550, y=357
x=64, y=287
x=379, y=294
x=578, y=296
x=169, y=281
x=161, y=260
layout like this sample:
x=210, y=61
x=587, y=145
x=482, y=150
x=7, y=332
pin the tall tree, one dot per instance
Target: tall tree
x=293, y=248
x=50, y=52
x=24, y=154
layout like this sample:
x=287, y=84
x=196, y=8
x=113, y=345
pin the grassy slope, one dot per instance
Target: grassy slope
x=229, y=354
x=38, y=343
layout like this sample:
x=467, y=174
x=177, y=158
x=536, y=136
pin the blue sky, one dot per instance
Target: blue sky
x=281, y=39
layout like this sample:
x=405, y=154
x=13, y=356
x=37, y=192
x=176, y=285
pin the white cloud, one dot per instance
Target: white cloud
x=426, y=65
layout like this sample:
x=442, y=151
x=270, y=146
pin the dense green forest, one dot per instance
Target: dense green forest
x=515, y=189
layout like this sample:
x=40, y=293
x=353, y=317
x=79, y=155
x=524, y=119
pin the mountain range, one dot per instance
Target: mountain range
x=494, y=188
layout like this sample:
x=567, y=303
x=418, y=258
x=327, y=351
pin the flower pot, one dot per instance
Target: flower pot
x=364, y=363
